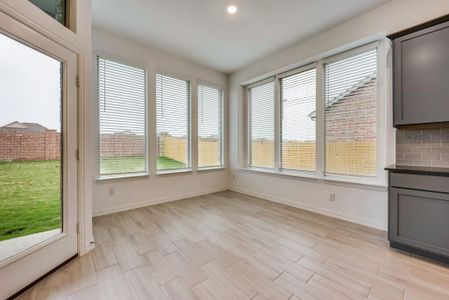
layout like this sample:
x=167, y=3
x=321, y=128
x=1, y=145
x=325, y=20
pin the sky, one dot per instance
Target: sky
x=29, y=85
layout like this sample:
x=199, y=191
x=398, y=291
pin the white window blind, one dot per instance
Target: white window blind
x=210, y=126
x=351, y=115
x=122, y=118
x=172, y=122
x=298, y=104
x=261, y=125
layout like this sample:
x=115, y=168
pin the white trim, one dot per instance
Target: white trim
x=213, y=168
x=277, y=124
x=192, y=108
x=87, y=248
x=77, y=39
x=280, y=108
x=120, y=60
x=309, y=176
x=261, y=82
x=298, y=70
x=340, y=49
x=327, y=212
x=320, y=174
x=320, y=126
x=248, y=119
x=33, y=249
x=210, y=85
x=174, y=75
x=119, y=208
x=122, y=176
x=351, y=52
x=173, y=171
x=124, y=61
x=220, y=89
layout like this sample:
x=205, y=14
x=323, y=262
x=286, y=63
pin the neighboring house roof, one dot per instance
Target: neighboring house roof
x=347, y=93
x=23, y=127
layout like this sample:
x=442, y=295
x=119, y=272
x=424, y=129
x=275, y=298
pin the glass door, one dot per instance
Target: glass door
x=38, y=167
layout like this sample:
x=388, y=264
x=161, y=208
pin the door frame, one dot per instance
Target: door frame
x=31, y=36
x=29, y=15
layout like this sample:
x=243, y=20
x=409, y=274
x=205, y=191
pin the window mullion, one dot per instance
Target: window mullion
x=320, y=123
x=248, y=150
x=192, y=91
x=277, y=125
x=152, y=132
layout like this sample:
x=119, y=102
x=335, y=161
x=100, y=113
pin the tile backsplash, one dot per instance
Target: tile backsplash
x=423, y=147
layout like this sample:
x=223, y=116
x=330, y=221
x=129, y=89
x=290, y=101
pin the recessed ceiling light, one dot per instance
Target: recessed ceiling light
x=232, y=9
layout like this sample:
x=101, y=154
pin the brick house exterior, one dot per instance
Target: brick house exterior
x=341, y=121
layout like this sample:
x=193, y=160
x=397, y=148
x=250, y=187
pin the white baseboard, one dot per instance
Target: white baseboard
x=89, y=247
x=125, y=207
x=315, y=209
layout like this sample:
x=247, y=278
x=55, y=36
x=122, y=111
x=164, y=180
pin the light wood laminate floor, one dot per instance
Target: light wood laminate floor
x=231, y=246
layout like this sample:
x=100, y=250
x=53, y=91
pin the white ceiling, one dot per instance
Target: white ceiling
x=201, y=31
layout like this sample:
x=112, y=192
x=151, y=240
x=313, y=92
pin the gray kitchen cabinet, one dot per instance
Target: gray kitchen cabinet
x=420, y=219
x=418, y=212
x=421, y=76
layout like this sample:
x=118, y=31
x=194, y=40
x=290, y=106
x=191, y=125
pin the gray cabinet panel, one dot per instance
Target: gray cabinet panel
x=419, y=219
x=421, y=76
x=420, y=182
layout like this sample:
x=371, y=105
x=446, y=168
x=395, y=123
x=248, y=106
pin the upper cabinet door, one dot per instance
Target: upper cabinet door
x=421, y=76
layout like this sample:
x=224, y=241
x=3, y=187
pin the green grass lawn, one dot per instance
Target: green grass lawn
x=30, y=192
x=136, y=164
x=29, y=198
x=168, y=163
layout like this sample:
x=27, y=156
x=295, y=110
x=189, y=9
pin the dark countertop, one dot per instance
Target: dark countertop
x=418, y=170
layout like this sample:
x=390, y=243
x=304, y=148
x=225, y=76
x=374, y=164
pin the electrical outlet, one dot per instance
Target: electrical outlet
x=332, y=197
x=111, y=192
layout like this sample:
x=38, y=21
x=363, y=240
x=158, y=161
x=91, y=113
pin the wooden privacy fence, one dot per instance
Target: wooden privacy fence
x=130, y=145
x=176, y=148
x=342, y=157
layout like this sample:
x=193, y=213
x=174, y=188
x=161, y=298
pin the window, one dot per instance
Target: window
x=122, y=119
x=298, y=101
x=321, y=119
x=57, y=9
x=351, y=115
x=261, y=125
x=173, y=123
x=210, y=127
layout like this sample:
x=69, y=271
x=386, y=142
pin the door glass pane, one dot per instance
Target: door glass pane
x=30, y=147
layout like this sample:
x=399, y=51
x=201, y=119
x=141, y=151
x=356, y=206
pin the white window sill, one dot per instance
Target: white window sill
x=211, y=168
x=311, y=177
x=174, y=171
x=122, y=176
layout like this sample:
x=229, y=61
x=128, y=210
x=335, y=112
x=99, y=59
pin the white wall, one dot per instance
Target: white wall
x=136, y=192
x=361, y=204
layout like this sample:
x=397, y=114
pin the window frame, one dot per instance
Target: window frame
x=279, y=77
x=382, y=135
x=135, y=64
x=190, y=82
x=336, y=58
x=248, y=123
x=222, y=125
